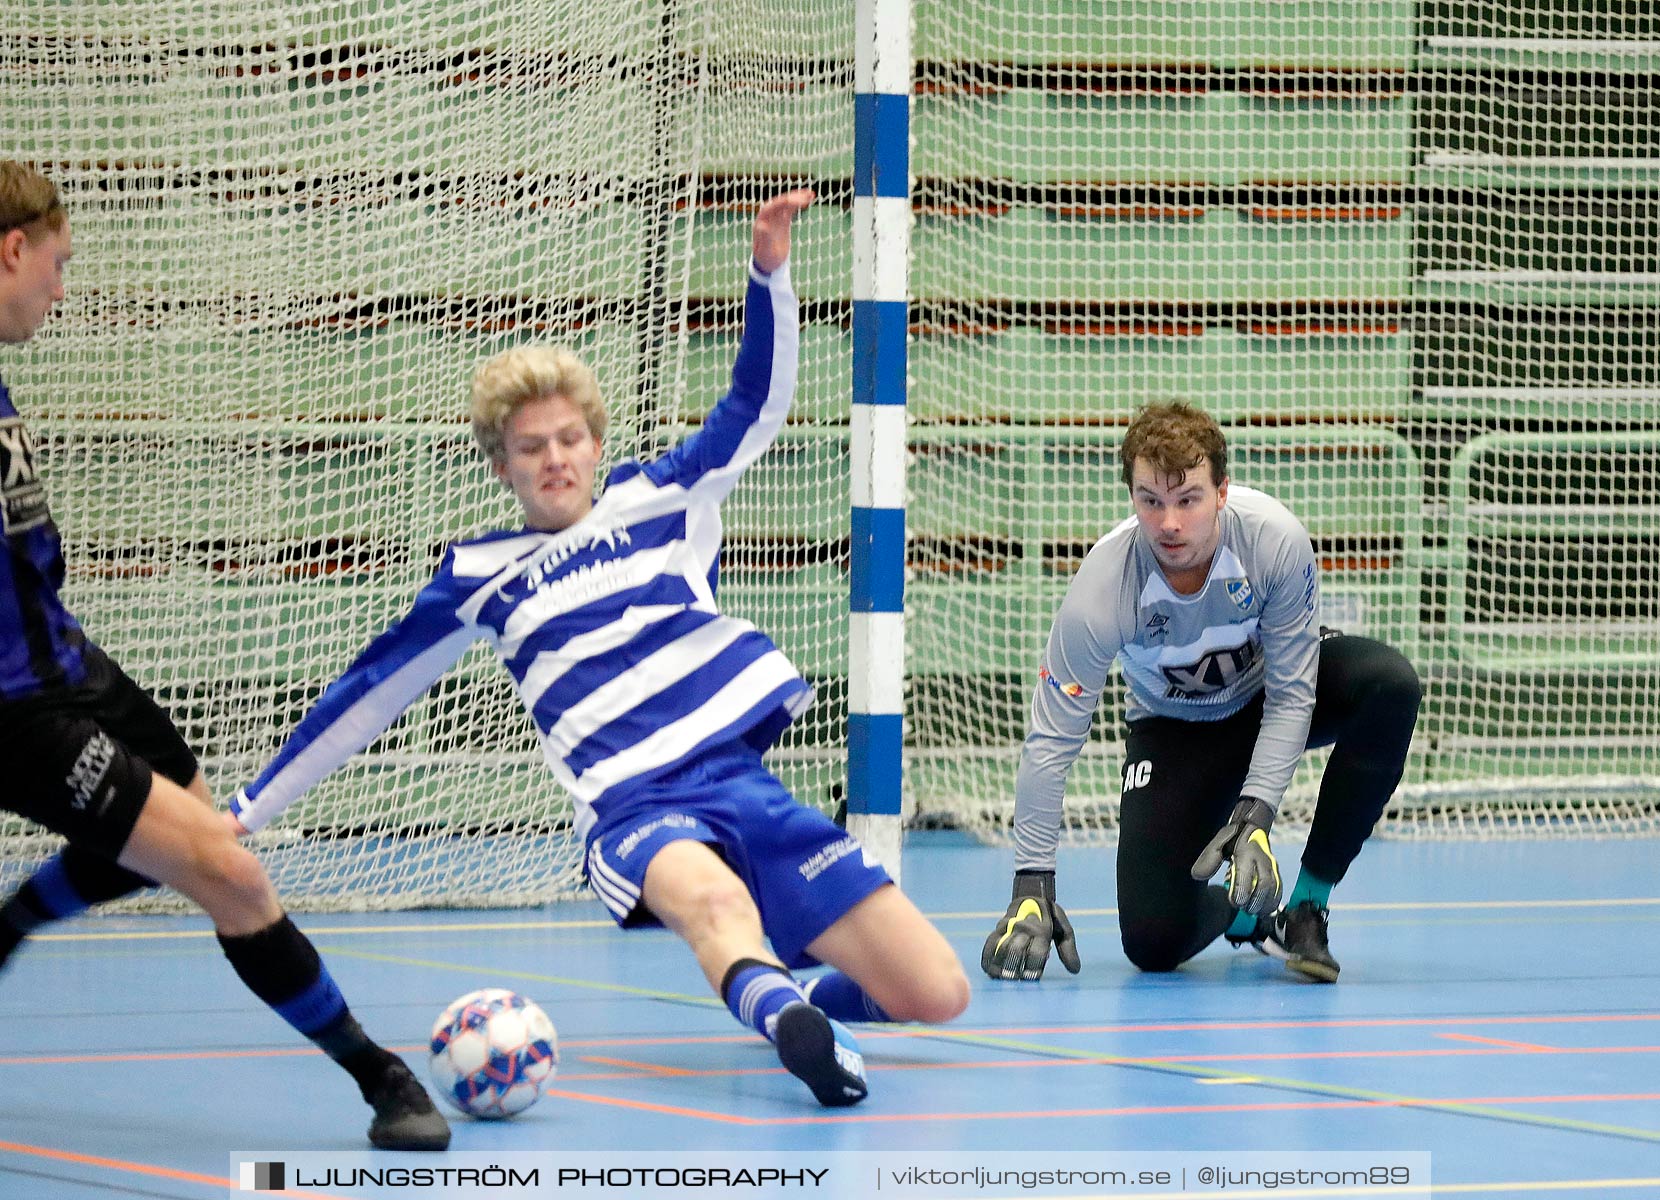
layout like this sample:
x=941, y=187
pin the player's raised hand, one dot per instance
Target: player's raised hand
x=1019, y=946
x=772, y=227
x=1253, y=874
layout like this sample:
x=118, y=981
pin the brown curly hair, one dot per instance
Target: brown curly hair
x=1174, y=438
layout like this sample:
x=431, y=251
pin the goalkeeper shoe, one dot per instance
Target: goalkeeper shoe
x=1256, y=939
x=405, y=1118
x=1297, y=937
x=820, y=1053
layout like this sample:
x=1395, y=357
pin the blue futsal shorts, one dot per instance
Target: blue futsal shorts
x=803, y=872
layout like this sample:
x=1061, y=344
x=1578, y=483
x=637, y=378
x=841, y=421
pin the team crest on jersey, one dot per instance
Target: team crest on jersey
x=1239, y=591
x=1070, y=689
x=22, y=495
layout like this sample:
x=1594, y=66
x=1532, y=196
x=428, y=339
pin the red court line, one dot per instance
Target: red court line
x=1529, y=1047
x=156, y=1056
x=1487, y=1046
x=1135, y=1111
x=671, y=1110
x=642, y=1069
x=135, y=1168
x=947, y=1032
x=873, y=1034
x=1204, y=1026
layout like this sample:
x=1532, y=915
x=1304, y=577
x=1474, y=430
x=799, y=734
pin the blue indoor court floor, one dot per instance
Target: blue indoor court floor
x=1499, y=1009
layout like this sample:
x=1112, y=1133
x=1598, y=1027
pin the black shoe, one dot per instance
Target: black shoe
x=405, y=1118
x=1297, y=936
x=821, y=1054
x=1255, y=939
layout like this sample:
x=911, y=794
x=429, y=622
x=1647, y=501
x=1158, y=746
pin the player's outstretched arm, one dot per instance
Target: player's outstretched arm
x=1018, y=947
x=772, y=227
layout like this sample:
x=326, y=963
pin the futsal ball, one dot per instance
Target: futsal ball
x=492, y=1052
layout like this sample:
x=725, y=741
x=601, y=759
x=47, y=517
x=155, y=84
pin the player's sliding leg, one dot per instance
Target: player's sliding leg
x=891, y=964
x=838, y=996
x=179, y=841
x=812, y=1047
x=698, y=897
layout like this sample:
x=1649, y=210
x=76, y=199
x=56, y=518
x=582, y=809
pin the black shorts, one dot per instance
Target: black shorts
x=79, y=760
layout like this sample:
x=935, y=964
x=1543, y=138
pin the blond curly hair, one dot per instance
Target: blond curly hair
x=504, y=384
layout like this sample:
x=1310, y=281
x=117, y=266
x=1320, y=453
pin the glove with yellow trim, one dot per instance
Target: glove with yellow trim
x=1019, y=947
x=1253, y=875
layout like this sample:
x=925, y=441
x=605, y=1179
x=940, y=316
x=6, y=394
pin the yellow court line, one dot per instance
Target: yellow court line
x=465, y=927
x=316, y=931
x=1302, y=1085
x=1374, y=906
x=497, y=972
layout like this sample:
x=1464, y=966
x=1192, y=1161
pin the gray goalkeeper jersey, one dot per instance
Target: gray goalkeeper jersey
x=1202, y=657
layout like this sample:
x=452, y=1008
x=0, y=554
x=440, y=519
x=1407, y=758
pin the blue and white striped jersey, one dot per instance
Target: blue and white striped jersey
x=608, y=627
x=42, y=642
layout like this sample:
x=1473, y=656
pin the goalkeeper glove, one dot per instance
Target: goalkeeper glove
x=1253, y=875
x=1019, y=947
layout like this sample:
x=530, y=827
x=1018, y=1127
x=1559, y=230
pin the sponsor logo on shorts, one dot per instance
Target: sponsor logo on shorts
x=673, y=821
x=87, y=774
x=827, y=858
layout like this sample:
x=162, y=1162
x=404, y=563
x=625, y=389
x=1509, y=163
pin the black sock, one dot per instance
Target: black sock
x=281, y=966
x=67, y=884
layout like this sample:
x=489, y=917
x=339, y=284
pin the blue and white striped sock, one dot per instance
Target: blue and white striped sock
x=839, y=997
x=757, y=992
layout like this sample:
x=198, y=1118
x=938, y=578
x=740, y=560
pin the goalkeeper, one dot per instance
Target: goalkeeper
x=1207, y=599
x=653, y=706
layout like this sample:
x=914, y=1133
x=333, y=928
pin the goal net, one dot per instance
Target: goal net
x=1405, y=252
x=299, y=226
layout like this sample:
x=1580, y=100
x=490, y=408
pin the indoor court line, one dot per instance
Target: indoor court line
x=319, y=930
x=315, y=930
x=996, y=1038
x=1545, y=1185
x=1454, y=1106
x=1341, y=1097
x=623, y=989
x=1473, y=1107
x=138, y=1168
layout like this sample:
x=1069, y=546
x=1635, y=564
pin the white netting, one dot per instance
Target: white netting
x=1407, y=254
x=1405, y=251
x=298, y=227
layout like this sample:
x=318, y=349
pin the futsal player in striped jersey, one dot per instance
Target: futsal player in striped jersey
x=90, y=756
x=653, y=707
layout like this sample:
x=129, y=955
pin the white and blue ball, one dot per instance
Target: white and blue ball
x=492, y=1053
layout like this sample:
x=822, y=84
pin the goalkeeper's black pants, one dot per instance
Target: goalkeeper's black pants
x=1182, y=778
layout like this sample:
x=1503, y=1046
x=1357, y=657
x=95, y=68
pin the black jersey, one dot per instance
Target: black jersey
x=40, y=642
